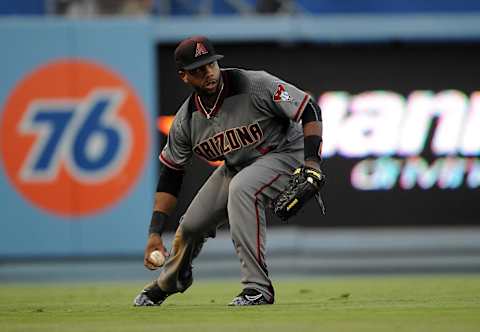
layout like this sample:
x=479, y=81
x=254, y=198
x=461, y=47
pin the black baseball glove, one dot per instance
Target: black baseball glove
x=304, y=183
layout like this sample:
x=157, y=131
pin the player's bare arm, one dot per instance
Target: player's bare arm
x=312, y=134
x=165, y=202
x=168, y=187
x=313, y=129
x=164, y=205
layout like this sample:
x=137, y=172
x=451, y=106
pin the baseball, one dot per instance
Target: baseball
x=157, y=258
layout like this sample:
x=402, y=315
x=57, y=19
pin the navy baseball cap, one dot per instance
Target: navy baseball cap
x=195, y=52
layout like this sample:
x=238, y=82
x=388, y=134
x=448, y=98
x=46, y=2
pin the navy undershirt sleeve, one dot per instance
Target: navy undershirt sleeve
x=169, y=180
x=311, y=113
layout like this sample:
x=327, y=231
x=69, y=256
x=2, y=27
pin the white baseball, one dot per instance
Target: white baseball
x=157, y=258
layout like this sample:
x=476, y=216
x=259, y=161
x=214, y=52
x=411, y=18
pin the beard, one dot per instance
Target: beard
x=211, y=89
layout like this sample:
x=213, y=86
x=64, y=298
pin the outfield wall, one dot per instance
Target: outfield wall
x=79, y=106
x=76, y=136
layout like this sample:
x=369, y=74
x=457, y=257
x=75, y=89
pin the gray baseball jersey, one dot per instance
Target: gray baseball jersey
x=254, y=128
x=255, y=113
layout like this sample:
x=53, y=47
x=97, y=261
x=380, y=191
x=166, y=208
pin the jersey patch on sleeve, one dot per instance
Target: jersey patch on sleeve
x=281, y=94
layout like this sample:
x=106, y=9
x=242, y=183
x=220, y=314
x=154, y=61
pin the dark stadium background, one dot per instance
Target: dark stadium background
x=396, y=66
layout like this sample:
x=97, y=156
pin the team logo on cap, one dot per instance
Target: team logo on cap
x=73, y=137
x=200, y=50
x=281, y=94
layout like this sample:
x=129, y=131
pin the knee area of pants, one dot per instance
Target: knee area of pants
x=188, y=231
x=238, y=188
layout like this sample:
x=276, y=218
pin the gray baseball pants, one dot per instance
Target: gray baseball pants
x=239, y=197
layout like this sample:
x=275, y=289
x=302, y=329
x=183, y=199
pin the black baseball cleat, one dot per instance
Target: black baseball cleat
x=250, y=296
x=151, y=295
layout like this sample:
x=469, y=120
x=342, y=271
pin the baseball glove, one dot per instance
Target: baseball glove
x=304, y=184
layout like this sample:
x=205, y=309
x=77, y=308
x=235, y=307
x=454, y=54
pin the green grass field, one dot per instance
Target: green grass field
x=421, y=303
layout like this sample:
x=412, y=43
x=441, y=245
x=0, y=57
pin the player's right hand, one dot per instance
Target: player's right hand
x=154, y=243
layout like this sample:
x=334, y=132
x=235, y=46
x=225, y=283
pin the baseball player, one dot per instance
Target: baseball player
x=264, y=129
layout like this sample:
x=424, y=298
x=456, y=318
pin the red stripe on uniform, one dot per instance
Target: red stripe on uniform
x=259, y=191
x=169, y=164
x=300, y=109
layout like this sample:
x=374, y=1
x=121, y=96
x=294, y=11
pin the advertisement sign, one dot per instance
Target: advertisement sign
x=427, y=140
x=62, y=144
x=401, y=139
x=76, y=124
